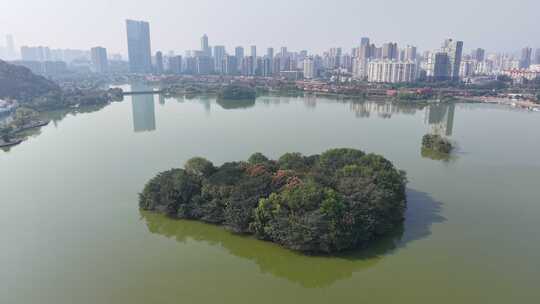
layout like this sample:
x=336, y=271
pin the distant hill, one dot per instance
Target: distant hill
x=20, y=83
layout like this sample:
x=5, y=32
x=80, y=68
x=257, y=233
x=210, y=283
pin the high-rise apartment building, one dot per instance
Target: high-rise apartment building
x=175, y=64
x=309, y=68
x=139, y=48
x=254, y=59
x=410, y=53
x=478, y=54
x=360, y=68
x=390, y=51
x=100, y=62
x=284, y=52
x=454, y=51
x=159, y=63
x=230, y=65
x=537, y=56
x=239, y=54
x=526, y=54
x=438, y=66
x=219, y=56
x=389, y=71
x=37, y=53
x=204, y=65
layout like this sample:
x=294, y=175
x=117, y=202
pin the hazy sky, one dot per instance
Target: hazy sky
x=314, y=25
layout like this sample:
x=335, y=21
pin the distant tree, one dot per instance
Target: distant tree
x=257, y=158
x=504, y=78
x=200, y=167
x=292, y=161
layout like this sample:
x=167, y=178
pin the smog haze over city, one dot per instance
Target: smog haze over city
x=314, y=25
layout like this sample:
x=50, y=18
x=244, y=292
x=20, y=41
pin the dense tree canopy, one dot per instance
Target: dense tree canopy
x=325, y=203
x=436, y=143
x=237, y=92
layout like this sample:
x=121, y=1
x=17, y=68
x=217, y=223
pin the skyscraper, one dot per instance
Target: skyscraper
x=454, y=50
x=254, y=59
x=35, y=53
x=479, y=54
x=159, y=62
x=438, y=66
x=309, y=68
x=526, y=54
x=537, y=56
x=10, y=47
x=219, y=55
x=239, y=54
x=139, y=49
x=364, y=41
x=205, y=47
x=230, y=65
x=269, y=63
x=270, y=52
x=410, y=53
x=100, y=63
x=175, y=64
x=284, y=53
x=390, y=51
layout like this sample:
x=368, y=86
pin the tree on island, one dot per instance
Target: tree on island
x=327, y=203
x=436, y=143
x=237, y=92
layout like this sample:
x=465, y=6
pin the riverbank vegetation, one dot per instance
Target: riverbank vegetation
x=35, y=94
x=327, y=203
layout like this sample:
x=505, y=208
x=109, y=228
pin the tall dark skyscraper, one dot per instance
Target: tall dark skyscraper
x=479, y=54
x=526, y=55
x=159, y=62
x=537, y=56
x=364, y=41
x=454, y=50
x=390, y=51
x=139, y=49
x=205, y=47
x=254, y=58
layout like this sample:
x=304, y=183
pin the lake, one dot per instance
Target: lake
x=72, y=231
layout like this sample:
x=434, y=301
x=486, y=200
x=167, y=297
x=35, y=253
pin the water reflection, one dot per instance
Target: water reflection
x=308, y=271
x=236, y=104
x=364, y=109
x=440, y=118
x=144, y=116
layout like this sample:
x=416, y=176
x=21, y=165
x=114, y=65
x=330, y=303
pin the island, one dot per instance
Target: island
x=320, y=204
x=237, y=92
x=436, y=143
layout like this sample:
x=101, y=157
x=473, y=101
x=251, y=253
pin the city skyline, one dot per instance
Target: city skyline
x=333, y=27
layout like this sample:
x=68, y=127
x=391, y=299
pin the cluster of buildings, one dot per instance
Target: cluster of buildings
x=387, y=63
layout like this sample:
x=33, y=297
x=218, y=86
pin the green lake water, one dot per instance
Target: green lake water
x=71, y=230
